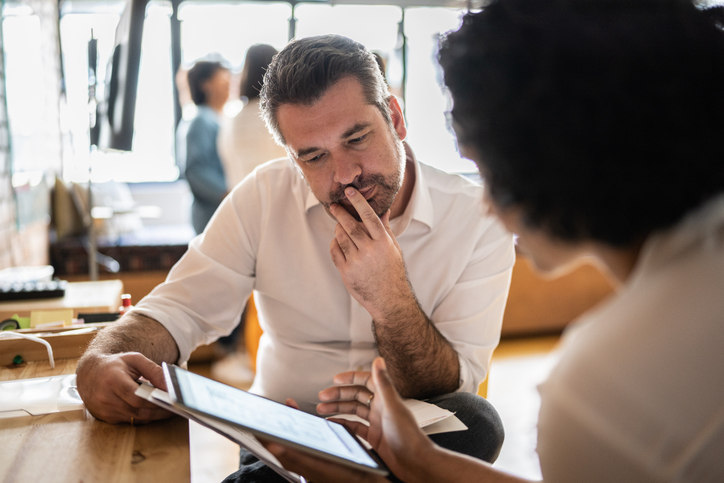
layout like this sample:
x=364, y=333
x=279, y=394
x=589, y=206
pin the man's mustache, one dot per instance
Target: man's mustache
x=360, y=184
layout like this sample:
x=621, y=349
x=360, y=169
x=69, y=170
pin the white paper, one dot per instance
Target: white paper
x=40, y=395
x=430, y=418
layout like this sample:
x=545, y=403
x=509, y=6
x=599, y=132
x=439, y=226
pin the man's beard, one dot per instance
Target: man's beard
x=385, y=191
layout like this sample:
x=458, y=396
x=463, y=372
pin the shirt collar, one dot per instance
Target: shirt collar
x=419, y=208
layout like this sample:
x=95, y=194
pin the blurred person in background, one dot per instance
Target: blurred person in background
x=244, y=141
x=209, y=86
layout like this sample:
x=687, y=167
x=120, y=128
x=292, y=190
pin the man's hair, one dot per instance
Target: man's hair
x=599, y=119
x=303, y=71
x=202, y=71
x=258, y=57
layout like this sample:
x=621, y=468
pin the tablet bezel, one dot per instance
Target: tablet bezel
x=175, y=392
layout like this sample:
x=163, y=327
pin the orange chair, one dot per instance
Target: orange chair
x=252, y=332
x=483, y=387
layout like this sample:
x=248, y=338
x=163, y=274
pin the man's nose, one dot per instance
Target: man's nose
x=346, y=171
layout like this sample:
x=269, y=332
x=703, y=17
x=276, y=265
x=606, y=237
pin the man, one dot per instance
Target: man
x=349, y=250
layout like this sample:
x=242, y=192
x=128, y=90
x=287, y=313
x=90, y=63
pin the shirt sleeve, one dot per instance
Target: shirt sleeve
x=465, y=296
x=205, y=292
x=470, y=315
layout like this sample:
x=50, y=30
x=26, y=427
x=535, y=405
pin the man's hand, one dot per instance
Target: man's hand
x=367, y=255
x=351, y=394
x=107, y=385
x=422, y=362
x=392, y=432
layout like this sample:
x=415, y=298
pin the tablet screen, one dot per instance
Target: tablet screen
x=267, y=417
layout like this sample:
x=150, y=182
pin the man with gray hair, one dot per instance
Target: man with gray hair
x=352, y=248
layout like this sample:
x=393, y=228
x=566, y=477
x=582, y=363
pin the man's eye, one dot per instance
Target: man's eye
x=314, y=158
x=358, y=139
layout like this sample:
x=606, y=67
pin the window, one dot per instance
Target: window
x=230, y=29
x=32, y=90
x=374, y=26
x=227, y=29
x=377, y=27
x=152, y=155
x=76, y=29
x=429, y=133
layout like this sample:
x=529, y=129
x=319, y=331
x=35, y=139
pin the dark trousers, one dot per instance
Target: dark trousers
x=483, y=438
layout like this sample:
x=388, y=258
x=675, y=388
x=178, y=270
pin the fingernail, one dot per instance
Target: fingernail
x=276, y=449
x=349, y=191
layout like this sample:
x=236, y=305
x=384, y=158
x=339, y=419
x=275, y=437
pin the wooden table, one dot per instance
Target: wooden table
x=73, y=446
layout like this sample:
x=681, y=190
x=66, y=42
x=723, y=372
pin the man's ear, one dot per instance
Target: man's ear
x=398, y=119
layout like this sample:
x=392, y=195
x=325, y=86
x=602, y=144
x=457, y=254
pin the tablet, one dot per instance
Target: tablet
x=269, y=419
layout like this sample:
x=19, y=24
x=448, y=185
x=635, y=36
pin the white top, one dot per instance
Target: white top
x=272, y=235
x=245, y=143
x=638, y=394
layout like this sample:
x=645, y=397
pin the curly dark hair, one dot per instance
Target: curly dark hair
x=599, y=119
x=303, y=71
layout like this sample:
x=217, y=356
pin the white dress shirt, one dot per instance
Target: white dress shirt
x=638, y=393
x=272, y=235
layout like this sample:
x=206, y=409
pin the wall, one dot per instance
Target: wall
x=25, y=209
x=540, y=305
x=7, y=203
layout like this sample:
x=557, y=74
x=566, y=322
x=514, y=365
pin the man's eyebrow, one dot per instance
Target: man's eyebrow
x=349, y=132
x=304, y=151
x=355, y=129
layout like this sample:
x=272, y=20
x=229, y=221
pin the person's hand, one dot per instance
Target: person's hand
x=368, y=257
x=292, y=403
x=107, y=385
x=312, y=468
x=318, y=470
x=391, y=424
x=393, y=431
x=351, y=394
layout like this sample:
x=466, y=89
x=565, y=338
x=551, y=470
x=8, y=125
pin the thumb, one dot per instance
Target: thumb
x=142, y=366
x=383, y=384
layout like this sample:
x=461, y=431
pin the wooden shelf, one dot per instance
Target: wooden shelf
x=82, y=297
